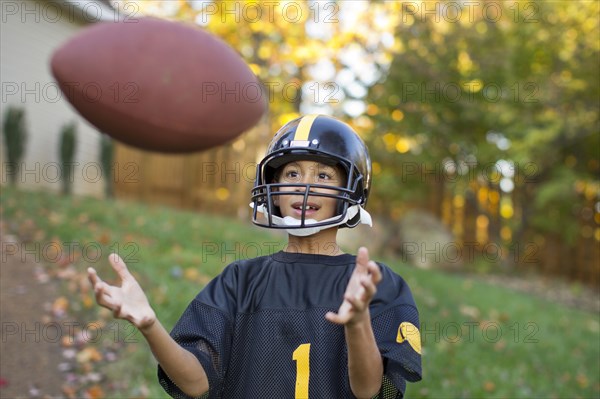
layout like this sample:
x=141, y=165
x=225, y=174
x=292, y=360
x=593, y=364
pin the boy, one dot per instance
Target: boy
x=266, y=327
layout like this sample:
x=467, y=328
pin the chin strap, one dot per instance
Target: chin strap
x=365, y=218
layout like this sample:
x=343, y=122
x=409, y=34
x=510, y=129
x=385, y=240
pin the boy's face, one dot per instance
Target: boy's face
x=309, y=172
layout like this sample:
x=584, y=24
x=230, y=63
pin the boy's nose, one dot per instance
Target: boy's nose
x=306, y=178
x=301, y=188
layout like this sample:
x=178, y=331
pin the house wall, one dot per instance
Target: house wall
x=30, y=32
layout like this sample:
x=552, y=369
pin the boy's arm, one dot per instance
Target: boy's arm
x=130, y=303
x=181, y=366
x=365, y=365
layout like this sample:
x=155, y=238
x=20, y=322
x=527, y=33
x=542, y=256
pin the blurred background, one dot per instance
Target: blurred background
x=482, y=122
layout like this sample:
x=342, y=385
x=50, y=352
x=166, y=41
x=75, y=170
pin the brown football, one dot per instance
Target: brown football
x=159, y=85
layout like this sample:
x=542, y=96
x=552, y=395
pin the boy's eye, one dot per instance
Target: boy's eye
x=292, y=174
x=324, y=176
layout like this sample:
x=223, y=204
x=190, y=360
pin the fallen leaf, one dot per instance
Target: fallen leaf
x=67, y=273
x=68, y=341
x=500, y=345
x=94, y=377
x=69, y=391
x=60, y=306
x=191, y=274
x=69, y=353
x=34, y=391
x=40, y=275
x=64, y=367
x=489, y=386
x=110, y=356
x=504, y=317
x=582, y=380
x=89, y=354
x=83, y=218
x=470, y=311
x=104, y=239
x=87, y=368
x=87, y=301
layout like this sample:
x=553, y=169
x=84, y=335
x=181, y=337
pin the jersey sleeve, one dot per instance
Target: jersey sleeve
x=397, y=332
x=205, y=329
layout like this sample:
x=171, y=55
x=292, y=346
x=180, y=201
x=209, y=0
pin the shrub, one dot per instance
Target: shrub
x=68, y=144
x=15, y=138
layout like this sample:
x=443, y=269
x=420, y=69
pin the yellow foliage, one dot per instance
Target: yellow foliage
x=403, y=145
x=397, y=115
x=222, y=194
x=372, y=109
x=285, y=118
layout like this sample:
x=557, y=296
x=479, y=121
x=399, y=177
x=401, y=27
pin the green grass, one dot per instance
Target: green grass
x=479, y=340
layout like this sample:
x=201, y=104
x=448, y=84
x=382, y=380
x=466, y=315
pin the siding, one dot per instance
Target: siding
x=29, y=35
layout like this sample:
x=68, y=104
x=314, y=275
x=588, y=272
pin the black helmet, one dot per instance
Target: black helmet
x=324, y=139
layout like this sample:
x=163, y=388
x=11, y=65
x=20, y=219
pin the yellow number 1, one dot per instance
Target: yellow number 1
x=301, y=355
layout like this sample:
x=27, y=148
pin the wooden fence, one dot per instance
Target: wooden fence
x=215, y=180
x=475, y=216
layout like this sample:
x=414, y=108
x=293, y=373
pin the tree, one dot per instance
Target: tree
x=494, y=98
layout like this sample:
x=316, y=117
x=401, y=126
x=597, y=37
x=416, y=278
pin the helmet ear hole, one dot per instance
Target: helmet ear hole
x=354, y=221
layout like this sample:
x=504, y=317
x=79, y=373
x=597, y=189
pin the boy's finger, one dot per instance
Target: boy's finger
x=105, y=296
x=369, y=287
x=99, y=292
x=375, y=272
x=336, y=318
x=119, y=266
x=93, y=276
x=332, y=317
x=362, y=259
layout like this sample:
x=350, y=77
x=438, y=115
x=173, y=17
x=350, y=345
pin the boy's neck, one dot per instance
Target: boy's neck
x=322, y=243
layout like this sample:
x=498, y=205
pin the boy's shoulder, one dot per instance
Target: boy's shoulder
x=246, y=264
x=392, y=290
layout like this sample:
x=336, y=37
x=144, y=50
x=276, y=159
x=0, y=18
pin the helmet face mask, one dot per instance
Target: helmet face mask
x=315, y=138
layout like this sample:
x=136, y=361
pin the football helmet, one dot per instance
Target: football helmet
x=315, y=138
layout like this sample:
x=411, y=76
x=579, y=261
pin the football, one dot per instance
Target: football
x=159, y=85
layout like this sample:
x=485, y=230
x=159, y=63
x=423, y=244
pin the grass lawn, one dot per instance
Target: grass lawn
x=479, y=340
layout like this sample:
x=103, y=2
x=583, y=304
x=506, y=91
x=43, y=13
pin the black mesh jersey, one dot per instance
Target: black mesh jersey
x=259, y=330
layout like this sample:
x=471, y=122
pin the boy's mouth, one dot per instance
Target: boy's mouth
x=309, y=209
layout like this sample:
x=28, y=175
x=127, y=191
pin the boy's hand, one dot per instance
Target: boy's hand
x=127, y=301
x=360, y=291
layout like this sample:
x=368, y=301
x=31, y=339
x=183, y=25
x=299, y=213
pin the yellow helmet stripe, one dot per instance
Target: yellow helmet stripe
x=303, y=129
